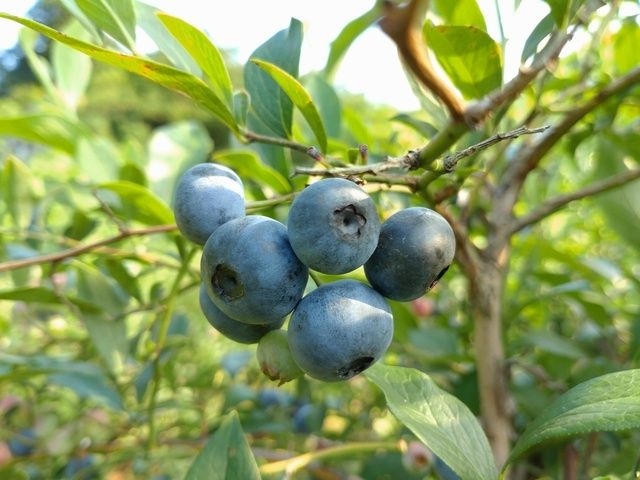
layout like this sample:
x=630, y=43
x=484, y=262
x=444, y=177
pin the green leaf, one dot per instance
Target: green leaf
x=148, y=21
x=205, y=53
x=50, y=129
x=91, y=386
x=71, y=69
x=98, y=159
x=79, y=15
x=97, y=289
x=300, y=98
x=110, y=339
x=328, y=103
x=19, y=189
x=226, y=455
x=169, y=77
x=271, y=110
x=469, y=56
x=135, y=202
x=541, y=31
x=610, y=402
x=460, y=12
x=347, y=36
x=115, y=17
x=559, y=9
x=247, y=164
x=438, y=419
x=39, y=65
x=173, y=148
x=626, y=54
x=45, y=295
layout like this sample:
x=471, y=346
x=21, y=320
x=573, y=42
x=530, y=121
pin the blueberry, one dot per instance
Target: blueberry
x=81, y=468
x=230, y=328
x=415, y=249
x=333, y=226
x=22, y=444
x=308, y=418
x=206, y=196
x=250, y=271
x=274, y=397
x=339, y=330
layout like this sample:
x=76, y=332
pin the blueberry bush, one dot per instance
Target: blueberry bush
x=267, y=277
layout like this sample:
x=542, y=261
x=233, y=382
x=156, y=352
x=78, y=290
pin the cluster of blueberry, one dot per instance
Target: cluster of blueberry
x=255, y=269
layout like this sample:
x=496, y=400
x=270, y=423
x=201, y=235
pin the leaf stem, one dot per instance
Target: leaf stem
x=165, y=322
x=294, y=464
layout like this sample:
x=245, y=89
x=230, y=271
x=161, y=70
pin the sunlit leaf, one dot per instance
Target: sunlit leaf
x=438, y=419
x=226, y=455
x=71, y=69
x=169, y=77
x=109, y=338
x=248, y=165
x=469, y=56
x=204, y=52
x=115, y=17
x=148, y=21
x=300, y=98
x=135, y=202
x=328, y=103
x=460, y=12
x=626, y=54
x=607, y=403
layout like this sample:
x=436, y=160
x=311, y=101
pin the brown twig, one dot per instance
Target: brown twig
x=554, y=204
x=82, y=249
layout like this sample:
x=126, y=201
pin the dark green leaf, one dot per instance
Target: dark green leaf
x=460, y=12
x=607, y=403
x=205, y=53
x=226, y=456
x=135, y=202
x=553, y=343
x=167, y=44
x=469, y=56
x=271, y=110
x=438, y=419
x=115, y=17
x=169, y=77
x=347, y=36
x=248, y=165
x=300, y=98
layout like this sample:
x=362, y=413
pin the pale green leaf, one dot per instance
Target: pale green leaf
x=169, y=77
x=148, y=21
x=460, y=12
x=559, y=9
x=626, y=54
x=226, y=455
x=204, y=52
x=300, y=98
x=609, y=402
x=248, y=165
x=71, y=69
x=133, y=202
x=441, y=421
x=115, y=17
x=469, y=56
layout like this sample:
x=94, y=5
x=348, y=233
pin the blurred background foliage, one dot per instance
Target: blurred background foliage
x=109, y=370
